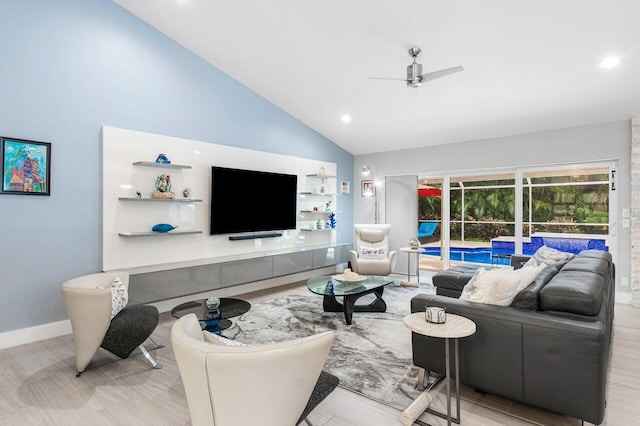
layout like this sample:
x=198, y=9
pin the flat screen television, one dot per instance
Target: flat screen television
x=252, y=201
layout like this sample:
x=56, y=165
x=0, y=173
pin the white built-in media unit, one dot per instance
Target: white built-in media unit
x=129, y=211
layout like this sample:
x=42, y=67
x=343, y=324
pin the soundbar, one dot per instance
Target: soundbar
x=254, y=237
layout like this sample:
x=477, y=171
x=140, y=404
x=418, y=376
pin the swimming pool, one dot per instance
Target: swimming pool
x=475, y=255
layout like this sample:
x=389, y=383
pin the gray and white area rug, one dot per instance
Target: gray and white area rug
x=371, y=357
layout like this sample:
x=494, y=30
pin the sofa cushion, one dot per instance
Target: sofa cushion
x=578, y=292
x=587, y=264
x=597, y=254
x=527, y=298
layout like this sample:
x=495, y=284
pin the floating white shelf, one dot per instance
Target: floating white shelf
x=160, y=165
x=164, y=200
x=322, y=194
x=317, y=230
x=319, y=176
x=318, y=211
x=157, y=234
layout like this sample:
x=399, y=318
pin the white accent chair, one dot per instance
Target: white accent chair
x=372, y=255
x=233, y=384
x=88, y=303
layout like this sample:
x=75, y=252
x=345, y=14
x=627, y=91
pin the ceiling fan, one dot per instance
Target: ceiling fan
x=415, y=78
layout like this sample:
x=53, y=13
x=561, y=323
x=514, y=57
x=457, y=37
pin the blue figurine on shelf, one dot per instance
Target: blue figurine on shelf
x=163, y=228
x=162, y=159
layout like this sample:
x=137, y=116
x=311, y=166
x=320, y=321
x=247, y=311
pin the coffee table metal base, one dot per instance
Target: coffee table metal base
x=348, y=306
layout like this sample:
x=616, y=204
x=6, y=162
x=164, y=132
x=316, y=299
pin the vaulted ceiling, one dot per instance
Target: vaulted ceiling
x=529, y=66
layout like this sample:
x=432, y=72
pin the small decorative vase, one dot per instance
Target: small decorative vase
x=213, y=302
x=186, y=193
x=414, y=243
x=435, y=314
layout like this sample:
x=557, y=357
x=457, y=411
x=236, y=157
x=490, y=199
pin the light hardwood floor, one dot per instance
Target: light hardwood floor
x=38, y=387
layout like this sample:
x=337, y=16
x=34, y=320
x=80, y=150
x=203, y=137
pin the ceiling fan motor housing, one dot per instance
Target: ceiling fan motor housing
x=414, y=75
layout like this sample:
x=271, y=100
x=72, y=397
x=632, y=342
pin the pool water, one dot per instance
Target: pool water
x=475, y=255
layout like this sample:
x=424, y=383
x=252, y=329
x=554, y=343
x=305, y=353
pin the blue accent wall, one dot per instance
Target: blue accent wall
x=71, y=66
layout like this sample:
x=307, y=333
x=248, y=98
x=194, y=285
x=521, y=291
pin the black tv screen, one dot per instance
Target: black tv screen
x=251, y=201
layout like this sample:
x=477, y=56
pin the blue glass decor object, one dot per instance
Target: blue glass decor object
x=213, y=302
x=329, y=288
x=163, y=227
x=332, y=221
x=162, y=159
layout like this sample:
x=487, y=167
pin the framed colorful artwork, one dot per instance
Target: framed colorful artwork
x=26, y=167
x=368, y=188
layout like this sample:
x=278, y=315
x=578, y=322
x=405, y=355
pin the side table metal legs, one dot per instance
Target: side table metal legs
x=409, y=253
x=447, y=379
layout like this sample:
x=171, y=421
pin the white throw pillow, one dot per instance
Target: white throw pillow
x=219, y=340
x=548, y=256
x=119, y=296
x=374, y=252
x=499, y=286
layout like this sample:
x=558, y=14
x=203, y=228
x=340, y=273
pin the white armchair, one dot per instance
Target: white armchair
x=88, y=302
x=230, y=384
x=372, y=255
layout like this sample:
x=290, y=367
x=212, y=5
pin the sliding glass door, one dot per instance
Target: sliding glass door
x=484, y=218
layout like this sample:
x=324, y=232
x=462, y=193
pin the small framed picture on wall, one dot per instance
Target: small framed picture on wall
x=368, y=188
x=344, y=187
x=26, y=167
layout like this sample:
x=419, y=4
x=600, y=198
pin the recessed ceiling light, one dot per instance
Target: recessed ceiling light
x=346, y=118
x=609, y=62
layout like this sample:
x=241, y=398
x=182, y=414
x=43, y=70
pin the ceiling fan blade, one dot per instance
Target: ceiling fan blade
x=442, y=73
x=387, y=78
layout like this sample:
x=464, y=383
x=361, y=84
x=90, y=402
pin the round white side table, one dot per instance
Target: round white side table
x=456, y=327
x=410, y=251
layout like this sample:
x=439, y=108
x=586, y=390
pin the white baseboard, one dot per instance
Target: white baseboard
x=33, y=334
x=55, y=329
x=624, y=298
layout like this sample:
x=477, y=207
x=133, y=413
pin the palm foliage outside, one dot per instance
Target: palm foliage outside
x=549, y=205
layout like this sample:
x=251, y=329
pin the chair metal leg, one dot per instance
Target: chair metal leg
x=307, y=422
x=149, y=357
x=156, y=346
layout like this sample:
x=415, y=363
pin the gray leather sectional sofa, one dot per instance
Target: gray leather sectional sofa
x=549, y=349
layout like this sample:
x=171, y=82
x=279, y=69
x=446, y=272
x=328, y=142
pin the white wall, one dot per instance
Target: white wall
x=608, y=141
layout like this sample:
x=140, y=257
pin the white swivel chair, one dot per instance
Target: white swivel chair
x=88, y=302
x=230, y=384
x=372, y=255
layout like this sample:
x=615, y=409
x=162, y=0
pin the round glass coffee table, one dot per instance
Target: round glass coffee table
x=215, y=320
x=329, y=287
